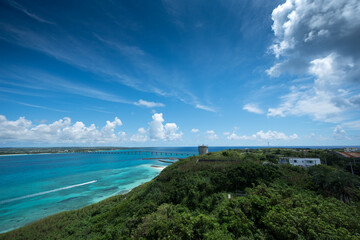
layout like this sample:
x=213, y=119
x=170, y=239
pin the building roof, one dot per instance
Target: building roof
x=350, y=154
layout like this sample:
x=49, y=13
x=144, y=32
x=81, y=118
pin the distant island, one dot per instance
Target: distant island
x=231, y=194
x=42, y=150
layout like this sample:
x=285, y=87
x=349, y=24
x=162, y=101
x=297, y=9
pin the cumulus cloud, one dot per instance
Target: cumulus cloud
x=261, y=135
x=159, y=131
x=148, y=104
x=234, y=136
x=253, y=108
x=195, y=130
x=316, y=26
x=339, y=133
x=320, y=39
x=210, y=134
x=141, y=136
x=64, y=131
x=60, y=131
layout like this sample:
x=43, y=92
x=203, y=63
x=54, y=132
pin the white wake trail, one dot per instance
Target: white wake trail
x=46, y=192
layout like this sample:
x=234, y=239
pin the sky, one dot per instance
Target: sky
x=179, y=73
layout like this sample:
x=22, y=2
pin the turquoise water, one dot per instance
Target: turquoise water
x=35, y=186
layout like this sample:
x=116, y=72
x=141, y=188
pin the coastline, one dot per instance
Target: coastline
x=103, y=192
x=20, y=154
x=158, y=167
x=126, y=173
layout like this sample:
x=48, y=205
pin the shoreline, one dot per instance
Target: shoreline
x=158, y=167
x=126, y=189
x=19, y=154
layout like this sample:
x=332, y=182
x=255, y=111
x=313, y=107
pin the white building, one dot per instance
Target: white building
x=350, y=149
x=303, y=162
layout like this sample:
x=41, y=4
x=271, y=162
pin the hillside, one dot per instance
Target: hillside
x=241, y=199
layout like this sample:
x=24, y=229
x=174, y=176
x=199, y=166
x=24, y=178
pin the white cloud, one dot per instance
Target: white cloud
x=226, y=133
x=29, y=14
x=261, y=135
x=141, y=136
x=61, y=131
x=64, y=131
x=87, y=57
x=339, y=133
x=156, y=127
x=313, y=26
x=274, y=135
x=148, y=104
x=319, y=38
x=206, y=108
x=352, y=125
x=127, y=50
x=234, y=136
x=195, y=130
x=253, y=108
x=157, y=131
x=320, y=105
x=210, y=134
x=171, y=132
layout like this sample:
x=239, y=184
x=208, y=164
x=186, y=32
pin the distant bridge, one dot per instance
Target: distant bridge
x=148, y=153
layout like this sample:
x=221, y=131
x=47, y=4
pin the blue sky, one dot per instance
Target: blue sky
x=179, y=73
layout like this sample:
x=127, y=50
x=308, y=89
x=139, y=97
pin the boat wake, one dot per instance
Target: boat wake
x=46, y=192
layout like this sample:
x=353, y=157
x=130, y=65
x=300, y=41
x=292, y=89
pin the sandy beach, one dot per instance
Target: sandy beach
x=19, y=154
x=158, y=167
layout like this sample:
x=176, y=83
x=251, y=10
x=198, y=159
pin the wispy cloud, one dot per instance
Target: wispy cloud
x=253, y=108
x=355, y=125
x=34, y=106
x=57, y=45
x=44, y=81
x=148, y=76
x=99, y=110
x=148, y=104
x=27, y=12
x=206, y=108
x=123, y=48
x=20, y=92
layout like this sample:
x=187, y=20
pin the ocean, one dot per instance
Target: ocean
x=38, y=185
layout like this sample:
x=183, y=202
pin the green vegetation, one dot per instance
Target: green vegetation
x=189, y=200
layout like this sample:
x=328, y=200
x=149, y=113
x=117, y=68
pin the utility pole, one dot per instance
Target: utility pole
x=352, y=170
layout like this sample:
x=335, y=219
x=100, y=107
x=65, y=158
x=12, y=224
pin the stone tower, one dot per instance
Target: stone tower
x=203, y=150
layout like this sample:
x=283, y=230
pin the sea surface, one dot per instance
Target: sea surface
x=38, y=185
